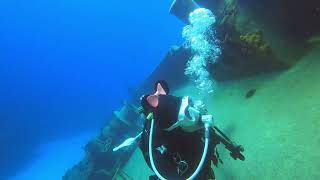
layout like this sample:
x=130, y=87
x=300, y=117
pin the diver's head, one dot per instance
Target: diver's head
x=161, y=87
x=146, y=107
x=149, y=102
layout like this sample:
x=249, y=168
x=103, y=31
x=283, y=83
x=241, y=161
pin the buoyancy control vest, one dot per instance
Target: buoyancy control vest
x=175, y=146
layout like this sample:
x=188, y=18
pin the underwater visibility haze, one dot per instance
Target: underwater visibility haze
x=85, y=84
x=65, y=65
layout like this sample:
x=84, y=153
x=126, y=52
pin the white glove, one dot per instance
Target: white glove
x=127, y=142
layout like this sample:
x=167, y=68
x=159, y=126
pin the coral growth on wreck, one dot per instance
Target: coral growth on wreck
x=254, y=44
x=245, y=48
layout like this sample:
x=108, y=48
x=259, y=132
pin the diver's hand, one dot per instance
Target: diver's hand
x=127, y=142
x=207, y=119
x=236, y=153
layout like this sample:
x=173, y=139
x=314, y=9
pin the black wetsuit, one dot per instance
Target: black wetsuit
x=181, y=147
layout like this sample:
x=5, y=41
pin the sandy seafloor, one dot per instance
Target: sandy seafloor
x=279, y=126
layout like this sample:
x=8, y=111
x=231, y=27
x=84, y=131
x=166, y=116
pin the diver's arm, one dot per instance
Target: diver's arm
x=128, y=142
x=190, y=117
x=235, y=150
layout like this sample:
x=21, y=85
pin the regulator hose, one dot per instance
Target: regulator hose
x=204, y=154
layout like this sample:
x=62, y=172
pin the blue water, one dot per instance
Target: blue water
x=65, y=65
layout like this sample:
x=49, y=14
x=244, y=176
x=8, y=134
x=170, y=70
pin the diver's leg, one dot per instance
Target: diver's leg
x=165, y=166
x=211, y=175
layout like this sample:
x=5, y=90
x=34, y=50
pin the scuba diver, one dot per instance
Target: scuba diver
x=179, y=140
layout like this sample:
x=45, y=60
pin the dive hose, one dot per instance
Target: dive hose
x=204, y=154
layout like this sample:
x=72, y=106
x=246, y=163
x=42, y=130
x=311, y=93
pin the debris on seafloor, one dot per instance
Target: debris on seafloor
x=250, y=93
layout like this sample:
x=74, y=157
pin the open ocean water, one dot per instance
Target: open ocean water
x=64, y=67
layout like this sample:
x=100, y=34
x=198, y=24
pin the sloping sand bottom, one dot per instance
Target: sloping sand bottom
x=279, y=126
